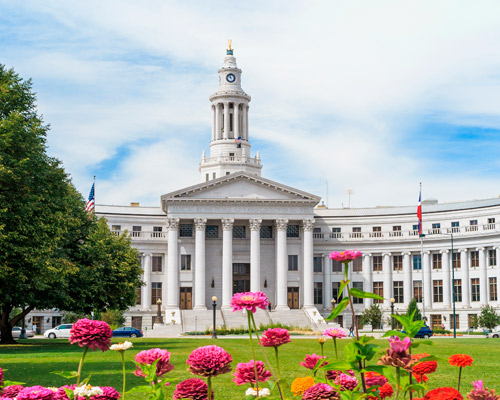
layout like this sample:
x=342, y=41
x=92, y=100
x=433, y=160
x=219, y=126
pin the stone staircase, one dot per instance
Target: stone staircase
x=239, y=319
x=293, y=318
x=200, y=320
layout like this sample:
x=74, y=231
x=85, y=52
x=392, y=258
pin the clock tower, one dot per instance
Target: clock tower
x=230, y=146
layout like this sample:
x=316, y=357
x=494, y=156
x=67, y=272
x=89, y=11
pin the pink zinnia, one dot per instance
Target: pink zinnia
x=275, y=337
x=374, y=378
x=346, y=382
x=93, y=334
x=249, y=301
x=345, y=256
x=334, y=333
x=311, y=360
x=209, y=361
x=61, y=393
x=1, y=377
x=478, y=385
x=320, y=391
x=150, y=356
x=12, y=391
x=245, y=373
x=192, y=389
x=333, y=374
x=398, y=345
x=109, y=393
x=35, y=393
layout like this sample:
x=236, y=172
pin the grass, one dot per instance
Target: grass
x=32, y=360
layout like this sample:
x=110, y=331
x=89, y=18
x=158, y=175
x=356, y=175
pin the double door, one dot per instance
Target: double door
x=241, y=277
x=186, y=300
x=293, y=298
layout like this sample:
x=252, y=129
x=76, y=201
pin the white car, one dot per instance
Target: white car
x=61, y=331
x=494, y=334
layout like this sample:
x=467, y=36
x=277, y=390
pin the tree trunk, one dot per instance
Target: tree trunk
x=6, y=325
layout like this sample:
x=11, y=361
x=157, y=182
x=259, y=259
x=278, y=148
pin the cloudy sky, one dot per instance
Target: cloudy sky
x=372, y=97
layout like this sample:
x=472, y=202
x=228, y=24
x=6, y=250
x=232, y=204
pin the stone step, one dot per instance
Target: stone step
x=239, y=319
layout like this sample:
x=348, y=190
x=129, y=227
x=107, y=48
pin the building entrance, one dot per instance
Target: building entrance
x=241, y=278
x=186, y=298
x=293, y=298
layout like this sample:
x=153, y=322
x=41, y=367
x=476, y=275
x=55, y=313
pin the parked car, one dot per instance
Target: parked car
x=127, y=331
x=16, y=332
x=61, y=331
x=424, y=332
x=494, y=334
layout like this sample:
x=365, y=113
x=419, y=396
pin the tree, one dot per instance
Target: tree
x=488, y=318
x=53, y=255
x=413, y=306
x=372, y=316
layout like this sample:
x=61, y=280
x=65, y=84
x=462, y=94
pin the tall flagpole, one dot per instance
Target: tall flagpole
x=94, y=194
x=421, y=235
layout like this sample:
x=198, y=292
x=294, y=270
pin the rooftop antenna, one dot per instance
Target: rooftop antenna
x=349, y=192
x=326, y=182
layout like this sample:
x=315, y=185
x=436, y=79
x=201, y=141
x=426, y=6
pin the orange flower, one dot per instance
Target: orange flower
x=461, y=360
x=300, y=385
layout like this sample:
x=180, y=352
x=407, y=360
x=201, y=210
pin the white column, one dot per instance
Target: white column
x=255, y=254
x=281, y=265
x=244, y=110
x=464, y=266
x=483, y=277
x=146, y=290
x=172, y=264
x=427, y=280
x=213, y=124
x=199, y=264
x=388, y=292
x=236, y=119
x=327, y=274
x=308, y=225
x=217, y=122
x=368, y=278
x=227, y=262
x=445, y=260
x=226, y=120
x=408, y=283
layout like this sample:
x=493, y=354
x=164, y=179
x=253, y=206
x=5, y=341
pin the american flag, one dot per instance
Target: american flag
x=238, y=139
x=419, y=211
x=91, y=201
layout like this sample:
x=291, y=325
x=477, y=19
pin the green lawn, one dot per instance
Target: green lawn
x=32, y=361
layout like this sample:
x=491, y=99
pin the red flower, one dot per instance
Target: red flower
x=192, y=389
x=249, y=301
x=275, y=337
x=421, y=378
x=461, y=360
x=209, y=361
x=11, y=392
x=245, y=373
x=93, y=334
x=374, y=378
x=345, y=256
x=446, y=393
x=385, y=390
x=311, y=360
x=149, y=357
x=425, y=367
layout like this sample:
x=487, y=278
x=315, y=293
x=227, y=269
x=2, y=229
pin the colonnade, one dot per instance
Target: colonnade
x=221, y=113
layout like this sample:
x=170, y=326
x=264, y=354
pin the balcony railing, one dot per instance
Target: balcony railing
x=143, y=235
x=231, y=159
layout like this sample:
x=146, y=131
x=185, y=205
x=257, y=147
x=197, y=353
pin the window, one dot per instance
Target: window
x=213, y=175
x=336, y=266
x=455, y=227
x=475, y=296
x=417, y=262
x=318, y=292
x=186, y=230
x=212, y=232
x=417, y=291
x=336, y=291
x=155, y=292
x=436, y=321
x=377, y=231
x=398, y=291
x=493, y=289
x=437, y=289
x=456, y=260
x=436, y=228
x=157, y=263
x=396, y=230
x=472, y=319
x=318, y=264
x=378, y=288
x=157, y=232
x=472, y=225
x=377, y=263
x=397, y=262
x=138, y=293
x=492, y=258
x=266, y=232
x=436, y=261
x=227, y=173
x=357, y=264
x=239, y=232
x=356, y=232
x=185, y=262
x=357, y=285
x=206, y=177
x=293, y=263
x=116, y=228
x=457, y=322
x=415, y=229
x=292, y=231
x=136, y=231
x=491, y=224
x=457, y=288
x=336, y=233
x=474, y=259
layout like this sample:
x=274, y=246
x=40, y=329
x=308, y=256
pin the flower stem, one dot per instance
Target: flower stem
x=335, y=345
x=79, y=373
x=459, y=377
x=250, y=315
x=123, y=365
x=209, y=385
x=398, y=382
x=323, y=355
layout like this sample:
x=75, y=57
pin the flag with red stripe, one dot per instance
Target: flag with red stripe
x=419, y=211
x=91, y=201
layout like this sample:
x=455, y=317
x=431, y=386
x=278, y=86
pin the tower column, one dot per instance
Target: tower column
x=367, y=277
x=146, y=292
x=214, y=136
x=217, y=122
x=281, y=265
x=483, y=277
x=386, y=265
x=244, y=129
x=227, y=259
x=255, y=255
x=308, y=225
x=427, y=282
x=408, y=284
x=446, y=278
x=464, y=266
x=172, y=266
x=236, y=120
x=226, y=120
x=199, y=264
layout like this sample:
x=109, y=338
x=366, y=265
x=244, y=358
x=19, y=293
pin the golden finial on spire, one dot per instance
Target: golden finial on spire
x=229, y=44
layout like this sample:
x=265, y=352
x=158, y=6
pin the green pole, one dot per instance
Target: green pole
x=453, y=290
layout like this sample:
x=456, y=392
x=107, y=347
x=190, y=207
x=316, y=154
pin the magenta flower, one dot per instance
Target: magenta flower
x=333, y=374
x=320, y=391
x=245, y=373
x=249, y=301
x=36, y=393
x=209, y=361
x=334, y=333
x=10, y=392
x=61, y=393
x=311, y=360
x=148, y=357
x=345, y=256
x=93, y=334
x=1, y=377
x=398, y=345
x=478, y=385
x=346, y=382
x=275, y=337
x=192, y=389
x=373, y=378
x=109, y=393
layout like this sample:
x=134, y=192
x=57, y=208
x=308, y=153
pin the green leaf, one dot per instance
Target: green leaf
x=338, y=309
x=66, y=374
x=375, y=368
x=12, y=383
x=336, y=365
x=343, y=284
x=399, y=334
x=427, y=342
x=141, y=389
x=364, y=295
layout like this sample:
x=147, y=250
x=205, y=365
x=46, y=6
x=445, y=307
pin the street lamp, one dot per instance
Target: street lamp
x=159, y=318
x=333, y=304
x=214, y=305
x=392, y=312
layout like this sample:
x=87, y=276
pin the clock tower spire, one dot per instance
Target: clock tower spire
x=230, y=146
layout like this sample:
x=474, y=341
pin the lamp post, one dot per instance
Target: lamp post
x=159, y=318
x=453, y=289
x=392, y=312
x=214, y=305
x=332, y=301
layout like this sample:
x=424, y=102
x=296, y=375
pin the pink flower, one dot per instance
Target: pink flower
x=1, y=377
x=61, y=393
x=245, y=373
x=109, y=393
x=11, y=392
x=373, y=378
x=345, y=256
x=249, y=301
x=150, y=356
x=346, y=382
x=209, y=361
x=333, y=374
x=334, y=333
x=311, y=360
x=478, y=385
x=398, y=345
x=320, y=391
x=93, y=334
x=275, y=337
x=192, y=389
x=35, y=393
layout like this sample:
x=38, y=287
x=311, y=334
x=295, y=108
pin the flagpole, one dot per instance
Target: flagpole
x=422, y=235
x=94, y=194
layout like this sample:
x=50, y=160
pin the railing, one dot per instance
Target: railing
x=143, y=235
x=245, y=160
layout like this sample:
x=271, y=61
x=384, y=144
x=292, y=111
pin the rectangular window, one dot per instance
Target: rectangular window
x=155, y=292
x=336, y=266
x=472, y=225
x=292, y=231
x=436, y=321
x=318, y=264
x=186, y=230
x=417, y=262
x=398, y=291
x=475, y=295
x=493, y=289
x=457, y=287
x=185, y=262
x=436, y=261
x=357, y=285
x=417, y=291
x=157, y=232
x=396, y=230
x=138, y=293
x=492, y=258
x=206, y=178
x=336, y=292
x=456, y=260
x=378, y=288
x=490, y=224
x=266, y=232
x=116, y=228
x=212, y=232
x=357, y=264
x=377, y=231
x=214, y=176
x=239, y=232
x=136, y=231
x=457, y=322
x=318, y=292
x=415, y=229
x=472, y=320
x=437, y=289
x=293, y=262
x=455, y=227
x=336, y=233
x=356, y=232
x=377, y=263
x=474, y=259
x=436, y=228
x=397, y=262
x=157, y=262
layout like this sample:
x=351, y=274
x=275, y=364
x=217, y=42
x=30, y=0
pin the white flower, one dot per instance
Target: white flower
x=121, y=346
x=87, y=391
x=263, y=392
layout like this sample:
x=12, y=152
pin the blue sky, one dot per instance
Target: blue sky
x=370, y=96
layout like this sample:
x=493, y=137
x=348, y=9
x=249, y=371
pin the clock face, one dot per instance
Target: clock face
x=230, y=78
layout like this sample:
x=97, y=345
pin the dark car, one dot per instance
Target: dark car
x=127, y=331
x=424, y=332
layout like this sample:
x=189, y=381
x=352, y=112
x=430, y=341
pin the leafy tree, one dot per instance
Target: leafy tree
x=114, y=318
x=488, y=318
x=413, y=306
x=372, y=316
x=53, y=255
